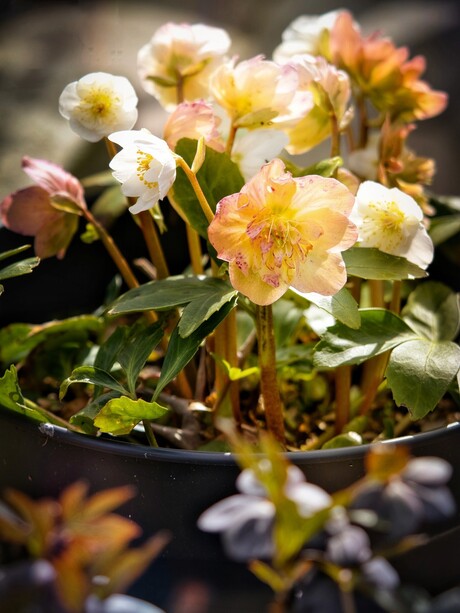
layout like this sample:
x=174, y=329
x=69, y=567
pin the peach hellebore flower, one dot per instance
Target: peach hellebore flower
x=99, y=104
x=176, y=64
x=258, y=93
x=384, y=73
x=281, y=231
x=40, y=210
x=392, y=221
x=145, y=167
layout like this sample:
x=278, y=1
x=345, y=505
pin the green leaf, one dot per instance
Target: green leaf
x=419, y=373
x=137, y=349
x=8, y=254
x=444, y=227
x=342, y=306
x=218, y=177
x=110, y=205
x=18, y=340
x=233, y=372
x=324, y=168
x=19, y=268
x=433, y=310
x=348, y=439
x=181, y=350
x=370, y=263
x=84, y=419
x=109, y=351
x=92, y=375
x=286, y=319
x=202, y=295
x=380, y=331
x=120, y=415
x=11, y=396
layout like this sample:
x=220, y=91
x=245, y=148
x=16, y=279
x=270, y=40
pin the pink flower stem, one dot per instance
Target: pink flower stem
x=268, y=378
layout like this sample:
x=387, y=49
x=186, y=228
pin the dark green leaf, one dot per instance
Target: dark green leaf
x=120, y=415
x=218, y=177
x=433, y=310
x=137, y=349
x=380, y=331
x=181, y=350
x=286, y=319
x=109, y=351
x=369, y=263
x=444, y=227
x=110, y=205
x=202, y=295
x=92, y=375
x=419, y=373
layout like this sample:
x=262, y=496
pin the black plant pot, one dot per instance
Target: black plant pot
x=175, y=487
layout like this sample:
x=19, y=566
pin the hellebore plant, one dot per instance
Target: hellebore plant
x=305, y=308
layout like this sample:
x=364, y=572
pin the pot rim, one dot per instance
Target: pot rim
x=133, y=450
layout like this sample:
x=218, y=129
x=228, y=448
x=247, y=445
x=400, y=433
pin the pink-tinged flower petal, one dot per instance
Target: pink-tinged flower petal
x=194, y=120
x=280, y=232
x=27, y=210
x=54, y=179
x=254, y=287
x=54, y=239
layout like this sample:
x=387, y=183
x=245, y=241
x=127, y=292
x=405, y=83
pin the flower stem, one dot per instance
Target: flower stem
x=342, y=397
x=268, y=379
x=191, y=176
x=231, y=138
x=149, y=433
x=153, y=243
x=194, y=248
x=232, y=359
x=335, y=136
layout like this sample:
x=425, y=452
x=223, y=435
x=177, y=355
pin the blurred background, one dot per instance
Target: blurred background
x=45, y=45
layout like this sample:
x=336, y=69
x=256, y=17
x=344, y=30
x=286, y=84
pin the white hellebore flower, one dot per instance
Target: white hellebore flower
x=391, y=221
x=99, y=104
x=252, y=149
x=145, y=167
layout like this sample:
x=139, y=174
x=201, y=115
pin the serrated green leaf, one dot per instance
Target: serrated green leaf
x=218, y=177
x=92, y=375
x=17, y=269
x=120, y=415
x=419, y=373
x=370, y=263
x=380, y=331
x=342, y=306
x=181, y=350
x=433, y=310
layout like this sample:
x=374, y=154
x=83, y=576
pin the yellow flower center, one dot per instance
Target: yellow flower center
x=98, y=103
x=384, y=226
x=144, y=160
x=278, y=240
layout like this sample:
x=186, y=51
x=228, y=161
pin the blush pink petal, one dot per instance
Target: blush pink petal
x=54, y=179
x=27, y=210
x=252, y=286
